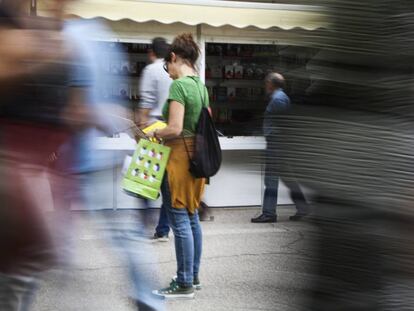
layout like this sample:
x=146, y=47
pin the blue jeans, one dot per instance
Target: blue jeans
x=163, y=227
x=187, y=237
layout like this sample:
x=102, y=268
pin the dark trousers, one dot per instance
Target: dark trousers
x=271, y=193
x=163, y=227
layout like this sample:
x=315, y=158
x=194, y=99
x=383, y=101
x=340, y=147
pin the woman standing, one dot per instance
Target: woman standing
x=180, y=189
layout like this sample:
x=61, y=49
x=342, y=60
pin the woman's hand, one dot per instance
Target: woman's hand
x=153, y=136
x=175, y=124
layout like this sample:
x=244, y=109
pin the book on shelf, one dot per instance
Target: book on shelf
x=229, y=71
x=231, y=94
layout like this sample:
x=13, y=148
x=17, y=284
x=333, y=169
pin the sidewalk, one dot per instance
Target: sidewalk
x=245, y=266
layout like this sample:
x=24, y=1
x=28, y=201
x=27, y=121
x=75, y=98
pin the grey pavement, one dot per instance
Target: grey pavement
x=245, y=266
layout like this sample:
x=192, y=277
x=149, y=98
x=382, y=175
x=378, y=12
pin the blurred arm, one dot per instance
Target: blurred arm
x=148, y=98
x=142, y=116
x=20, y=47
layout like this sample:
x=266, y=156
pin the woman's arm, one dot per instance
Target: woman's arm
x=175, y=122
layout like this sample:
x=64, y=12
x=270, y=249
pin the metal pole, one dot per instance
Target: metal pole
x=33, y=7
x=202, y=45
x=114, y=183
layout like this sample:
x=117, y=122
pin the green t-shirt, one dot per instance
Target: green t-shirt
x=191, y=93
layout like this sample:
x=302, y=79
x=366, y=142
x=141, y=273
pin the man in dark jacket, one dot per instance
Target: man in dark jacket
x=279, y=103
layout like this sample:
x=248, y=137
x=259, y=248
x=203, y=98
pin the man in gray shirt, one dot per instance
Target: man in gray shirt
x=154, y=89
x=154, y=85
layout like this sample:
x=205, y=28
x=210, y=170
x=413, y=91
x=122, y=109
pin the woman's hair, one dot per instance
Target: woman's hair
x=185, y=47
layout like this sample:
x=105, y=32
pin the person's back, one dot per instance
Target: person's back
x=279, y=103
x=161, y=83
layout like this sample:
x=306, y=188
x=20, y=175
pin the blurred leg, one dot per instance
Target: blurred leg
x=125, y=236
x=25, y=243
x=348, y=258
x=297, y=197
x=16, y=293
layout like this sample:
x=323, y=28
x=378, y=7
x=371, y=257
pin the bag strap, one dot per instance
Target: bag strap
x=202, y=106
x=203, y=101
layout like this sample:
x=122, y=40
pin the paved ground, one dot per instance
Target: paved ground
x=245, y=266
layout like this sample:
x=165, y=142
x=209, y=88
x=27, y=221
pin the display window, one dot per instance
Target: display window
x=121, y=68
x=235, y=76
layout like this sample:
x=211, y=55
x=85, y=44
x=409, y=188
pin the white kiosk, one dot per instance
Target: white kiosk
x=212, y=22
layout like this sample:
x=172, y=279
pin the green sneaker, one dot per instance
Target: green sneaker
x=175, y=291
x=196, y=282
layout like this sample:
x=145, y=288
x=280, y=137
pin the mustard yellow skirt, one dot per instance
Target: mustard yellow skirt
x=186, y=191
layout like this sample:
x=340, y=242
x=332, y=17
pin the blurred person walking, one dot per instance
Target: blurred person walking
x=187, y=97
x=154, y=89
x=279, y=103
x=40, y=107
x=90, y=171
x=351, y=143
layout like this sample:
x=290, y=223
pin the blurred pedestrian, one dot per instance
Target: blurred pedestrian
x=182, y=111
x=92, y=170
x=40, y=107
x=351, y=143
x=154, y=88
x=279, y=103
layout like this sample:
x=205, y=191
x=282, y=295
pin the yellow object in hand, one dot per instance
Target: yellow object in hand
x=158, y=125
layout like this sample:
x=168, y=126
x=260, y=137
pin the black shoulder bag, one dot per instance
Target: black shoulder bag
x=206, y=160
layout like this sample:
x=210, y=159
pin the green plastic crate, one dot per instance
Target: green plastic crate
x=146, y=171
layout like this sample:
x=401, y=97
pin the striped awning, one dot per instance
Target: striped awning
x=210, y=12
